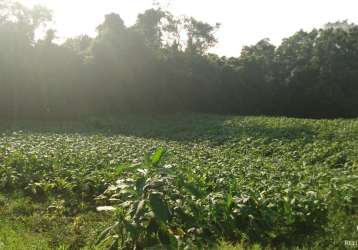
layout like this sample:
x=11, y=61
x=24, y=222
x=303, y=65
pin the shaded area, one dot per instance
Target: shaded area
x=193, y=127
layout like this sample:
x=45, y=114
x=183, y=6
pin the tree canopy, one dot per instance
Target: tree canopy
x=162, y=64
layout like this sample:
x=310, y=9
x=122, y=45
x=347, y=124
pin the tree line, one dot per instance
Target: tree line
x=161, y=64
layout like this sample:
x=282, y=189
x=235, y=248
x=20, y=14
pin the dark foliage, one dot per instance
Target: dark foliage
x=161, y=64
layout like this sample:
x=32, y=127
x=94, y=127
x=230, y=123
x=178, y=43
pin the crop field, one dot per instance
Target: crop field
x=179, y=182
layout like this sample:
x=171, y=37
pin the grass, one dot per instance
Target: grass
x=16, y=237
x=300, y=178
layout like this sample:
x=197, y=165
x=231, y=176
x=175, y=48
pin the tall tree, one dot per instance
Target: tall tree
x=201, y=35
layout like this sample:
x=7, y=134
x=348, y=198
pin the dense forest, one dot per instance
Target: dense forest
x=162, y=64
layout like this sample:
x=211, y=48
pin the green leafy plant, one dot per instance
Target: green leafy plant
x=277, y=182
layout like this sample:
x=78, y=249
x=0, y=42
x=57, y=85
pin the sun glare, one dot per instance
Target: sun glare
x=243, y=22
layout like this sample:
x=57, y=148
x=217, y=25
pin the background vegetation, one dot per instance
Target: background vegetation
x=162, y=64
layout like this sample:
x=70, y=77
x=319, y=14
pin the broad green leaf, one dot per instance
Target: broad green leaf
x=159, y=207
x=157, y=156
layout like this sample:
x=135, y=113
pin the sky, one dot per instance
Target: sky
x=243, y=22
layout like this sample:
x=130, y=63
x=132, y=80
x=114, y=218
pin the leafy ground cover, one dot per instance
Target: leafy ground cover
x=179, y=181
